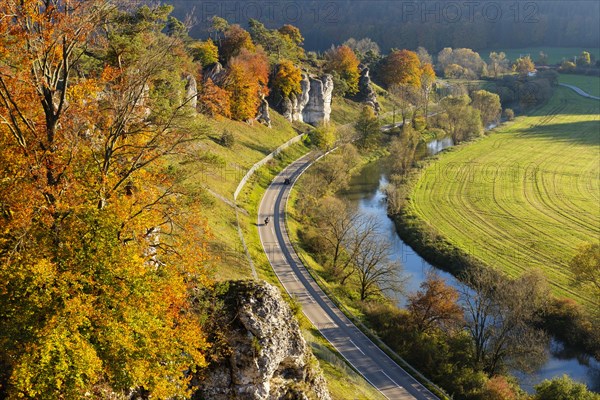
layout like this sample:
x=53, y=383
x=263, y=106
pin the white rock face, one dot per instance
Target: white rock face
x=269, y=358
x=313, y=105
x=318, y=108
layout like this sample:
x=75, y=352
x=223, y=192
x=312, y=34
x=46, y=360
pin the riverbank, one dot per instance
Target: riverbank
x=495, y=227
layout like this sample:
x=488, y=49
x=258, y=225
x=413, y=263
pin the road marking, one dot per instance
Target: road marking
x=390, y=378
x=357, y=348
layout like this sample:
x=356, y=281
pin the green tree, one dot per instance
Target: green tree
x=206, y=52
x=585, y=266
x=460, y=120
x=488, y=105
x=563, y=388
x=368, y=127
x=323, y=136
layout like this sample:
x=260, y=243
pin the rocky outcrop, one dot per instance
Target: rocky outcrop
x=266, y=355
x=215, y=72
x=292, y=106
x=318, y=108
x=366, y=93
x=313, y=105
x=263, y=116
x=191, y=91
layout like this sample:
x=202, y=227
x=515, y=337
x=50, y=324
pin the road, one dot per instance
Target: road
x=377, y=368
x=579, y=91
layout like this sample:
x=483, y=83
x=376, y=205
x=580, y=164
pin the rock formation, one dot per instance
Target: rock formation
x=266, y=358
x=215, y=72
x=313, y=105
x=366, y=93
x=263, y=116
x=191, y=91
x=318, y=107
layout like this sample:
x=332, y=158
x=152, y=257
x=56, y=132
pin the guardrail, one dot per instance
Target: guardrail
x=366, y=330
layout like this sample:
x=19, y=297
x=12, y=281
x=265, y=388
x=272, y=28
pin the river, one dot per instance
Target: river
x=366, y=192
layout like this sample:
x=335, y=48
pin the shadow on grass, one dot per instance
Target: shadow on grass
x=581, y=132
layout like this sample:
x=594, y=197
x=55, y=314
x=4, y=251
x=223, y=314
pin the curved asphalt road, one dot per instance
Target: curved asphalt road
x=381, y=371
x=579, y=91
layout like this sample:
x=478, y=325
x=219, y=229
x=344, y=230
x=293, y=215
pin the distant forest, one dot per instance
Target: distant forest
x=407, y=24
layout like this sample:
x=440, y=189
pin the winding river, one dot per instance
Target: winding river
x=366, y=192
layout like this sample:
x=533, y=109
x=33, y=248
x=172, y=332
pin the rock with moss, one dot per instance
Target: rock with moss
x=266, y=356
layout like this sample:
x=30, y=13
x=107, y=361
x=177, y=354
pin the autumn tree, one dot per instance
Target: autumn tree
x=246, y=82
x=435, y=306
x=368, y=127
x=403, y=149
x=213, y=100
x=287, y=79
x=94, y=278
x=235, y=39
x=206, y=52
x=523, y=66
x=402, y=67
x=343, y=62
x=465, y=60
x=488, y=105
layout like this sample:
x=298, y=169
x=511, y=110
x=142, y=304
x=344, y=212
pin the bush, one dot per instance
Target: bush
x=227, y=139
x=509, y=114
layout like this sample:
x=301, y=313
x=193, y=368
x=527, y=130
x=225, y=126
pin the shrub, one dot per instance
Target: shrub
x=509, y=114
x=227, y=139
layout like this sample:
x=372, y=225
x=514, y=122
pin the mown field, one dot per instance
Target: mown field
x=590, y=84
x=555, y=54
x=524, y=197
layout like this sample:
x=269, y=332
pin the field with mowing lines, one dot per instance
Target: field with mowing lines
x=524, y=197
x=589, y=84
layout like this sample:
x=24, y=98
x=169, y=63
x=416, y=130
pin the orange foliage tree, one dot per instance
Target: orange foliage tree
x=344, y=62
x=94, y=280
x=246, y=82
x=213, y=100
x=402, y=67
x=287, y=78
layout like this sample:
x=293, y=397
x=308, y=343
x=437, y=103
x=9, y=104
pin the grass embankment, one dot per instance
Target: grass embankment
x=555, y=54
x=213, y=172
x=589, y=84
x=524, y=197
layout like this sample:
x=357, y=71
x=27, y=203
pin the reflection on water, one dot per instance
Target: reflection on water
x=366, y=192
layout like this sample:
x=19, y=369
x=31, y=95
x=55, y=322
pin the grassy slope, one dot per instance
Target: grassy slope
x=219, y=173
x=217, y=176
x=555, y=54
x=589, y=84
x=524, y=197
